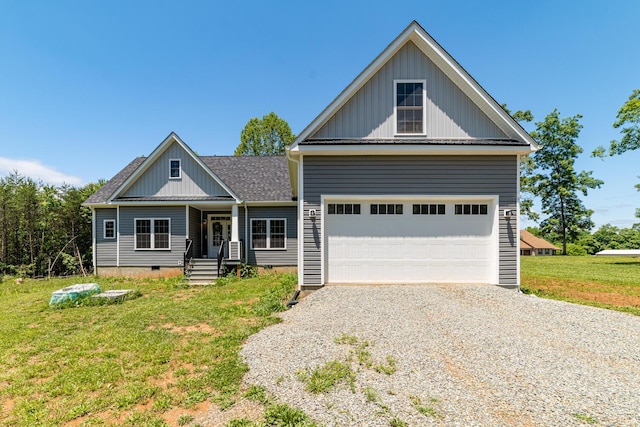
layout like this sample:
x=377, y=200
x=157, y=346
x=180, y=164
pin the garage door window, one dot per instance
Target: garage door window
x=268, y=233
x=429, y=209
x=386, y=209
x=343, y=209
x=471, y=209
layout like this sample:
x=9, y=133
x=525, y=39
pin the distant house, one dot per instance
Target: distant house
x=532, y=245
x=410, y=175
x=620, y=252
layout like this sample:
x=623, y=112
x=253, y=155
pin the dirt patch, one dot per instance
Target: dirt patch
x=585, y=291
x=215, y=417
x=200, y=328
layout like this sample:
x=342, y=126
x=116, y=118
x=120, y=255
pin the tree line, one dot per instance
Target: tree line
x=44, y=230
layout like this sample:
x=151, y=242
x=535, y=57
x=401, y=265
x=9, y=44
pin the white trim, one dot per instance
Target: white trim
x=494, y=200
x=179, y=168
x=187, y=226
x=441, y=58
x=395, y=106
x=104, y=229
x=118, y=238
x=93, y=240
x=268, y=236
x=152, y=232
x=400, y=149
x=270, y=203
x=517, y=231
x=246, y=234
x=301, y=222
x=235, y=234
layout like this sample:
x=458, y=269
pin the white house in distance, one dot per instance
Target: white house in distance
x=410, y=175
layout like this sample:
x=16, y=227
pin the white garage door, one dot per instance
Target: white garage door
x=435, y=241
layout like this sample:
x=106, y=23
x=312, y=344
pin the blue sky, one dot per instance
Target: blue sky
x=86, y=86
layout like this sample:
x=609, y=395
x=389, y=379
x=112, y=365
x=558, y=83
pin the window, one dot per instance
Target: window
x=429, y=209
x=343, y=209
x=153, y=233
x=386, y=209
x=175, y=171
x=409, y=107
x=471, y=209
x=109, y=229
x=268, y=233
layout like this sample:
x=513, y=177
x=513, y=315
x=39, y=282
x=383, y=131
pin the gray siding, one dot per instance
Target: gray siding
x=195, y=181
x=410, y=175
x=369, y=113
x=195, y=231
x=106, y=255
x=275, y=257
x=129, y=257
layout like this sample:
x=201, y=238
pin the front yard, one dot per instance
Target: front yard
x=154, y=360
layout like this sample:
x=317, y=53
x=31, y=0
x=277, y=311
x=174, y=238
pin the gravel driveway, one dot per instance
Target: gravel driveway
x=465, y=355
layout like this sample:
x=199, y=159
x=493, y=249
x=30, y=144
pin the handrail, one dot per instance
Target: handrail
x=186, y=259
x=220, y=255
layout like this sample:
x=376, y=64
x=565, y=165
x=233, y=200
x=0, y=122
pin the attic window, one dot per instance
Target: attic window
x=409, y=106
x=175, y=171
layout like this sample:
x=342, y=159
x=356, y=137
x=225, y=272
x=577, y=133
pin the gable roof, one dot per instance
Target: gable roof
x=441, y=58
x=250, y=178
x=535, y=242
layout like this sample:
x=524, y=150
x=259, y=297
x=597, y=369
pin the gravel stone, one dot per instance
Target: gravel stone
x=470, y=355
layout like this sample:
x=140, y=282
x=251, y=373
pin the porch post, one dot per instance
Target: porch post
x=235, y=235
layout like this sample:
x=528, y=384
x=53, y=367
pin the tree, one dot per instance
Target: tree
x=556, y=182
x=268, y=136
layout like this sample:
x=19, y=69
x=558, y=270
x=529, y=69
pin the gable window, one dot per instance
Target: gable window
x=152, y=233
x=268, y=233
x=175, y=170
x=109, y=229
x=410, y=107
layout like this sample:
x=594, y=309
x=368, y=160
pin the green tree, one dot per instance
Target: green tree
x=556, y=182
x=268, y=136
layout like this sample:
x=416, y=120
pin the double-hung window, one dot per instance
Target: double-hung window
x=175, y=169
x=153, y=233
x=410, y=106
x=268, y=233
x=109, y=230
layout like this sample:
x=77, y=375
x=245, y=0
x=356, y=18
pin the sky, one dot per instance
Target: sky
x=86, y=86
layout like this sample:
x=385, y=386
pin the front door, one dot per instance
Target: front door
x=219, y=231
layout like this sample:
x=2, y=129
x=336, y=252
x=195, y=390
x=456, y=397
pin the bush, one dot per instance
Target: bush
x=576, y=250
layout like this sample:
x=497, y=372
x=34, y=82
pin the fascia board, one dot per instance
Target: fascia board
x=384, y=149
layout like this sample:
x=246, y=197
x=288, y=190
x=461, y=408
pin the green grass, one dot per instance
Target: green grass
x=608, y=282
x=325, y=377
x=128, y=363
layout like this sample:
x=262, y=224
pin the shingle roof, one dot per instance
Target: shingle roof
x=251, y=178
x=104, y=193
x=535, y=242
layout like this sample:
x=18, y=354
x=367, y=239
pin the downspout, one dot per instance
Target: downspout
x=118, y=238
x=246, y=233
x=517, y=230
x=93, y=240
x=300, y=202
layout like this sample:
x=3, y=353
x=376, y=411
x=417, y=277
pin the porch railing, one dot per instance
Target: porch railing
x=187, y=261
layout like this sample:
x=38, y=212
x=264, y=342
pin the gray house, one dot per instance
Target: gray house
x=409, y=176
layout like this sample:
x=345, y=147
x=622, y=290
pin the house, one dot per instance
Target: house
x=410, y=175
x=532, y=245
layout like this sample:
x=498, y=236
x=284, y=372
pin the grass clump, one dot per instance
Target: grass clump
x=397, y=422
x=586, y=418
x=427, y=411
x=327, y=376
x=282, y=415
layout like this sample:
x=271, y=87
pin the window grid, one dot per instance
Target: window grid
x=429, y=209
x=152, y=233
x=343, y=209
x=386, y=209
x=471, y=209
x=109, y=229
x=174, y=168
x=268, y=233
x=410, y=107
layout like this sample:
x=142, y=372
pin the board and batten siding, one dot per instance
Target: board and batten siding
x=449, y=112
x=106, y=249
x=195, y=231
x=410, y=175
x=129, y=257
x=275, y=257
x=194, y=181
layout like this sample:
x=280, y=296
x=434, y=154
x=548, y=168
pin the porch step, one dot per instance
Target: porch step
x=203, y=271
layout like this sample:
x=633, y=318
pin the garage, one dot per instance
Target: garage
x=444, y=240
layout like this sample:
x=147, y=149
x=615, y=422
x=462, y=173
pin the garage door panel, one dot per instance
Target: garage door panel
x=409, y=248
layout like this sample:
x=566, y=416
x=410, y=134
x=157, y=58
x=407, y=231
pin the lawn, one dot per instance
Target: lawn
x=609, y=282
x=153, y=360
